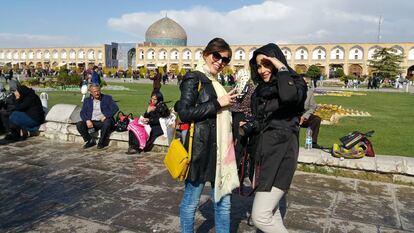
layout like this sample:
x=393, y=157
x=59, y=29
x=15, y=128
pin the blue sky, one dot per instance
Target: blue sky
x=45, y=23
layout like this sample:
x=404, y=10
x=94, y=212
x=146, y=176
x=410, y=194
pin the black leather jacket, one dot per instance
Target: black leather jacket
x=201, y=107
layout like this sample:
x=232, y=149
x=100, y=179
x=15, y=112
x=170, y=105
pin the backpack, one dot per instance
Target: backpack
x=122, y=121
x=354, y=145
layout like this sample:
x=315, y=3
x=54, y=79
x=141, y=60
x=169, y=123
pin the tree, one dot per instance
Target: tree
x=313, y=72
x=339, y=73
x=385, y=63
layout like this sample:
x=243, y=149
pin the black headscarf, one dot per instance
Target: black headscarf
x=270, y=50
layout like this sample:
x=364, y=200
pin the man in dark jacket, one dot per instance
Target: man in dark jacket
x=96, y=79
x=27, y=115
x=97, y=114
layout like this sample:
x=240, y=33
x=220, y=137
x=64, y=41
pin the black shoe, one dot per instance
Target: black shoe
x=25, y=134
x=89, y=143
x=132, y=151
x=12, y=137
x=34, y=133
x=100, y=146
x=316, y=146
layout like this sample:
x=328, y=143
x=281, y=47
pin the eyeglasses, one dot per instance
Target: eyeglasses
x=217, y=57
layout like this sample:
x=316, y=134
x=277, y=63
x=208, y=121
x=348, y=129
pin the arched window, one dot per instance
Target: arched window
x=240, y=54
x=301, y=54
x=319, y=53
x=15, y=55
x=81, y=54
x=55, y=54
x=63, y=54
x=356, y=53
x=100, y=55
x=31, y=54
x=187, y=54
x=174, y=55
x=162, y=55
x=39, y=54
x=91, y=54
x=287, y=53
x=337, y=53
x=198, y=54
x=72, y=54
x=150, y=54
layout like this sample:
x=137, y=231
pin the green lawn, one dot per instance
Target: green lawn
x=392, y=115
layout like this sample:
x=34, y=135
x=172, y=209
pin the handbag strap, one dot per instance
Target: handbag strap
x=190, y=142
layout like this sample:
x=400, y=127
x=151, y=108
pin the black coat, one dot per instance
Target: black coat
x=201, y=107
x=30, y=104
x=276, y=107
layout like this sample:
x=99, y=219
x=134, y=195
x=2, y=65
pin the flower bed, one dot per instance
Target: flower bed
x=331, y=113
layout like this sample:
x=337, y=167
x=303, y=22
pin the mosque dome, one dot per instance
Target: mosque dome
x=166, y=32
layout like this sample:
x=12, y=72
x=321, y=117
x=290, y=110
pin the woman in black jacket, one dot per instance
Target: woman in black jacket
x=151, y=117
x=277, y=104
x=212, y=140
x=27, y=116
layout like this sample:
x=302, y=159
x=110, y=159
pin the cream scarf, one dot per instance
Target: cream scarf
x=226, y=167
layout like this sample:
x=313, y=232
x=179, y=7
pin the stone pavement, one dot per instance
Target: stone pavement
x=49, y=186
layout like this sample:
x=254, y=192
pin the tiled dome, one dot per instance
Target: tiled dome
x=166, y=32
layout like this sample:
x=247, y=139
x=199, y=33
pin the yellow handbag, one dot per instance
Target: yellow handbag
x=177, y=160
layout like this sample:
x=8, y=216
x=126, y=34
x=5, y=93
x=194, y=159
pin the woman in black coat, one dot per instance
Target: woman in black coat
x=277, y=104
x=152, y=118
x=208, y=109
x=27, y=115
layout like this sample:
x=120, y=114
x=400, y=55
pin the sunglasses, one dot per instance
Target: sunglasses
x=217, y=57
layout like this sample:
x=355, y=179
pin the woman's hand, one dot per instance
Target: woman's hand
x=151, y=108
x=276, y=63
x=228, y=99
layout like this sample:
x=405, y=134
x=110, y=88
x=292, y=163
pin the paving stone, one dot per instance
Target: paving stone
x=340, y=226
x=118, y=182
x=99, y=206
x=372, y=188
x=139, y=219
x=306, y=218
x=374, y=209
x=330, y=183
x=311, y=196
x=50, y=186
x=69, y=224
x=405, y=205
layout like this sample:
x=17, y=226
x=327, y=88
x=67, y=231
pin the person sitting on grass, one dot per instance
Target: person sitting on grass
x=97, y=114
x=27, y=115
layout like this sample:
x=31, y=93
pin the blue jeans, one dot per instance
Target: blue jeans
x=23, y=121
x=188, y=207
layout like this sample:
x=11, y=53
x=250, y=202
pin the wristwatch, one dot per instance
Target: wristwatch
x=283, y=68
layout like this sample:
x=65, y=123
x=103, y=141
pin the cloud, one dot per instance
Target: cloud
x=32, y=40
x=293, y=21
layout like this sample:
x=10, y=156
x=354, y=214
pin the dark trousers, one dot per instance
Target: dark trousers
x=4, y=120
x=105, y=128
x=240, y=142
x=314, y=122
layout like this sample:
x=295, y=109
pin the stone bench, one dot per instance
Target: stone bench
x=61, y=125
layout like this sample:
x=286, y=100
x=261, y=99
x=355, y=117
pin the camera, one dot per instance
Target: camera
x=249, y=127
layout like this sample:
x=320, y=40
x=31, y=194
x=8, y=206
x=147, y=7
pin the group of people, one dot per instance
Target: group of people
x=98, y=111
x=267, y=118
